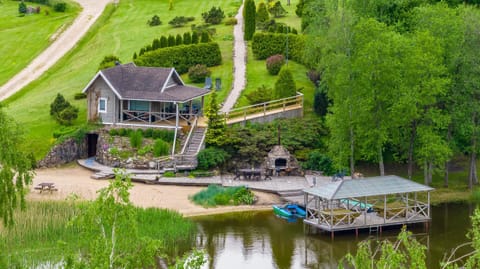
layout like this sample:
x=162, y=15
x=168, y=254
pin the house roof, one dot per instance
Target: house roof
x=351, y=188
x=132, y=82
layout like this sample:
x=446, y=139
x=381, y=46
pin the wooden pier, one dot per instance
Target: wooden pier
x=369, y=203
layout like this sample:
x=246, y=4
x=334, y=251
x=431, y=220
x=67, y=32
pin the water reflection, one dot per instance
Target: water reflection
x=260, y=240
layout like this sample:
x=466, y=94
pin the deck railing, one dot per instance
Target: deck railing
x=280, y=105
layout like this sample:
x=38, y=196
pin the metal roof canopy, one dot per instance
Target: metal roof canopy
x=382, y=185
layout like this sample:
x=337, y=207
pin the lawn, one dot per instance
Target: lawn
x=121, y=31
x=34, y=32
x=257, y=74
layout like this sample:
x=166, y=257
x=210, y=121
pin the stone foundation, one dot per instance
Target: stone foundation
x=68, y=151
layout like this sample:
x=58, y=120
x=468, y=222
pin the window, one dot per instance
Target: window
x=138, y=105
x=102, y=105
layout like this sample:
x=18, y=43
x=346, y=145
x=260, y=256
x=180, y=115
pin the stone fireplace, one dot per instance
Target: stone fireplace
x=280, y=162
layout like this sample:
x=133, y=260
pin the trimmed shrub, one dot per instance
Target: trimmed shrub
x=249, y=21
x=136, y=139
x=275, y=63
x=22, y=8
x=163, y=42
x=265, y=45
x=60, y=6
x=261, y=95
x=205, y=37
x=195, y=38
x=108, y=61
x=231, y=21
x=178, y=40
x=187, y=38
x=68, y=115
x=160, y=148
x=182, y=57
x=198, y=73
x=262, y=15
x=285, y=85
x=277, y=10
x=80, y=95
x=180, y=21
x=211, y=158
x=214, y=16
x=171, y=41
x=154, y=21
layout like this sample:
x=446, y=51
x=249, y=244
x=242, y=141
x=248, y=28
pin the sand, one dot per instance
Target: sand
x=75, y=181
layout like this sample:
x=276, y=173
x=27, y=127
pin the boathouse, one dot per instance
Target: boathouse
x=368, y=203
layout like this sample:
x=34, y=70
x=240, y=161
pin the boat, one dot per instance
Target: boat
x=289, y=211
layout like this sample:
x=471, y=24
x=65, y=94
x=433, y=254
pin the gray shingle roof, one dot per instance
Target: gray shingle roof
x=351, y=188
x=145, y=83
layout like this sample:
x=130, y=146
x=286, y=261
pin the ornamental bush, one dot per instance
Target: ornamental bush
x=187, y=38
x=182, y=57
x=198, y=73
x=60, y=6
x=67, y=115
x=154, y=21
x=249, y=21
x=211, y=157
x=277, y=10
x=22, y=8
x=265, y=45
x=180, y=21
x=261, y=95
x=58, y=104
x=262, y=14
x=214, y=16
x=275, y=63
x=285, y=85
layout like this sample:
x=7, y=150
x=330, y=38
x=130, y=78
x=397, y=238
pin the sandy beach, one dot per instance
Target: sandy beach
x=75, y=180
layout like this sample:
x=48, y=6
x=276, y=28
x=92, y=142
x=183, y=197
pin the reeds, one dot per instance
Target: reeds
x=216, y=195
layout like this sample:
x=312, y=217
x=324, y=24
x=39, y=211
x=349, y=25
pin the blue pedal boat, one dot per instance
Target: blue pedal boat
x=289, y=211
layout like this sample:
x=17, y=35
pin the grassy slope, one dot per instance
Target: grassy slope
x=33, y=32
x=120, y=31
x=257, y=73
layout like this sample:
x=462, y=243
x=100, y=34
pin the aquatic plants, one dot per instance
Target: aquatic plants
x=216, y=195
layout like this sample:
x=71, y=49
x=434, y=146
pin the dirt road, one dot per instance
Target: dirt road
x=92, y=9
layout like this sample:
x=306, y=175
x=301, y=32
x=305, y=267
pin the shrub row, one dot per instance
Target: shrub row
x=165, y=135
x=182, y=57
x=171, y=41
x=265, y=45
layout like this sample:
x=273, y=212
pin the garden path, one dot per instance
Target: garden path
x=239, y=63
x=92, y=9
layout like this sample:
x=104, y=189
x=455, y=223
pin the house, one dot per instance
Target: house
x=143, y=96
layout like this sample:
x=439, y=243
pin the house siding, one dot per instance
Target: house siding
x=100, y=89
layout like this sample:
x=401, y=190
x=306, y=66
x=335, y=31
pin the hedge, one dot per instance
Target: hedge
x=265, y=45
x=182, y=57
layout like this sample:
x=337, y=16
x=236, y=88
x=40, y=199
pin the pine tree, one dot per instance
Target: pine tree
x=285, y=85
x=187, y=38
x=249, y=19
x=215, y=135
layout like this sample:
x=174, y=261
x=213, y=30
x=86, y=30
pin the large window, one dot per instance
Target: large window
x=102, y=105
x=138, y=105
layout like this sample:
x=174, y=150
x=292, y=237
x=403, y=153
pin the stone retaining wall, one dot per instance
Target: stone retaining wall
x=68, y=151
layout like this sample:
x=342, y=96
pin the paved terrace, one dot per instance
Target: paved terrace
x=288, y=187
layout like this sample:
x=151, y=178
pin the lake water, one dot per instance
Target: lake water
x=261, y=240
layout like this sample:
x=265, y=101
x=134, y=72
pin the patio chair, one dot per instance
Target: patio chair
x=218, y=84
x=208, y=83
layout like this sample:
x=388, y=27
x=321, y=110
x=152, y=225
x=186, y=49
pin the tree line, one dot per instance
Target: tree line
x=401, y=77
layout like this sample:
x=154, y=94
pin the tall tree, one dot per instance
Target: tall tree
x=249, y=19
x=217, y=126
x=15, y=168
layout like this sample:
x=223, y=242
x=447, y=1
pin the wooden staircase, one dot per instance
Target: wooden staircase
x=187, y=159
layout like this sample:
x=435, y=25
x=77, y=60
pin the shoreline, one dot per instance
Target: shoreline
x=74, y=181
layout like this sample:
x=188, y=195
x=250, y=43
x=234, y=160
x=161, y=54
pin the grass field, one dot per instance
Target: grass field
x=257, y=74
x=121, y=30
x=23, y=38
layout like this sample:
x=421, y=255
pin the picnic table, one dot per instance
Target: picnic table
x=46, y=186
